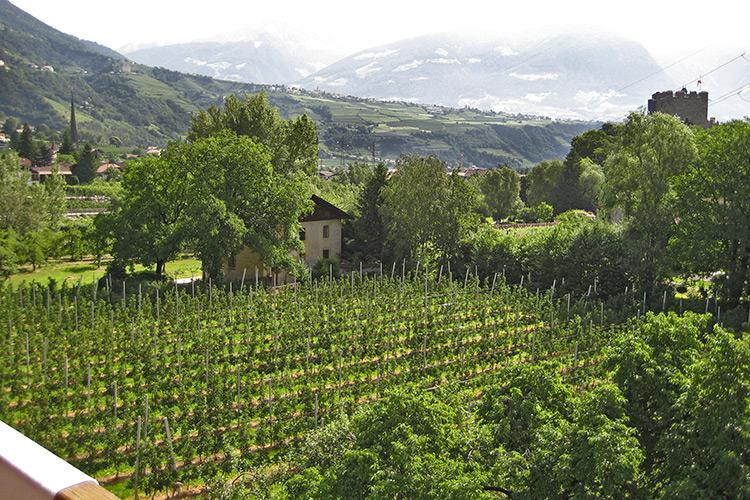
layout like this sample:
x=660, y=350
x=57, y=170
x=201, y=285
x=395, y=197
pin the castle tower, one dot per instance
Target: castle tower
x=690, y=107
x=73, y=125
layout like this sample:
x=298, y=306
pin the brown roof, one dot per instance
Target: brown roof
x=325, y=211
x=47, y=170
x=26, y=163
x=106, y=166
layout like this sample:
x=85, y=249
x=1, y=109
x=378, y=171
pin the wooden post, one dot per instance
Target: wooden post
x=145, y=418
x=242, y=283
x=316, y=409
x=172, y=461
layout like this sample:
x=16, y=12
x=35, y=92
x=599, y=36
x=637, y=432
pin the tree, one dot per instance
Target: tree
x=501, y=188
x=369, y=228
x=10, y=125
x=67, y=143
x=145, y=223
x=86, y=167
x=293, y=143
x=55, y=200
x=22, y=205
x=43, y=154
x=705, y=449
x=713, y=233
x=650, y=152
x=426, y=211
x=543, y=183
x=26, y=147
x=590, y=184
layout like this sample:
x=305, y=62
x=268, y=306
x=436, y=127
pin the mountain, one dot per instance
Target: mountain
x=584, y=76
x=151, y=106
x=265, y=59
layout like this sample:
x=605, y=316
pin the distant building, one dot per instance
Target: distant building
x=321, y=235
x=690, y=107
x=48, y=68
x=105, y=168
x=40, y=174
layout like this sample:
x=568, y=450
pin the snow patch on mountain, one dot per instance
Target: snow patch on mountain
x=505, y=51
x=441, y=52
x=375, y=55
x=367, y=69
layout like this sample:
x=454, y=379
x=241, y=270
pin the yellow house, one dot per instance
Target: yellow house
x=321, y=235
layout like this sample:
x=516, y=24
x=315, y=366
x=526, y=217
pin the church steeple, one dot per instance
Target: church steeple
x=73, y=125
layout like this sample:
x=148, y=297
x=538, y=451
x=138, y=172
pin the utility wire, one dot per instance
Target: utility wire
x=741, y=56
x=661, y=70
x=731, y=93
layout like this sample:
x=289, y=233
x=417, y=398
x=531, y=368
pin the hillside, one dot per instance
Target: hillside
x=151, y=106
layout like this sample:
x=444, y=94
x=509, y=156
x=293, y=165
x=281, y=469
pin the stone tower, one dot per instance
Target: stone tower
x=690, y=107
x=73, y=125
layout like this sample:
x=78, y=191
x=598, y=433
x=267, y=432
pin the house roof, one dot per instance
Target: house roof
x=47, y=170
x=325, y=211
x=102, y=169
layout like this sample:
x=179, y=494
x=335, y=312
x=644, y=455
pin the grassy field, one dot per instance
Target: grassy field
x=88, y=272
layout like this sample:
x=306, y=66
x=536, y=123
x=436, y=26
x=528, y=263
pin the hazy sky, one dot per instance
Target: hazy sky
x=664, y=27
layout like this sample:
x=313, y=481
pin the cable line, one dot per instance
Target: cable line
x=661, y=70
x=741, y=56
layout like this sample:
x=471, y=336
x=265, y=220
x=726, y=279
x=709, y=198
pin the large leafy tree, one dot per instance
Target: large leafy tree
x=651, y=150
x=146, y=222
x=501, y=188
x=369, y=228
x=706, y=448
x=426, y=211
x=293, y=143
x=22, y=205
x=713, y=207
x=236, y=197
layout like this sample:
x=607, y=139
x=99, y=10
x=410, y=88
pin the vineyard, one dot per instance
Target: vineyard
x=146, y=389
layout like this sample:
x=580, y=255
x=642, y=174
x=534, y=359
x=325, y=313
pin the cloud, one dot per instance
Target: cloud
x=533, y=77
x=473, y=60
x=537, y=97
x=367, y=69
x=418, y=79
x=594, y=97
x=375, y=55
x=505, y=51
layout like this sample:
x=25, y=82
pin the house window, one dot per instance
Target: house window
x=326, y=231
x=302, y=235
x=326, y=253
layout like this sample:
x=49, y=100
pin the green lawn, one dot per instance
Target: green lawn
x=88, y=272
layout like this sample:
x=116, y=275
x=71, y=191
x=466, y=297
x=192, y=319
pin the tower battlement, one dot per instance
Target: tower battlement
x=690, y=107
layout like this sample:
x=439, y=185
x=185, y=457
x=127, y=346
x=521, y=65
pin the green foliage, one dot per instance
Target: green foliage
x=369, y=228
x=711, y=200
x=541, y=212
x=87, y=164
x=26, y=147
x=705, y=448
x=293, y=143
x=650, y=152
x=501, y=188
x=427, y=211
